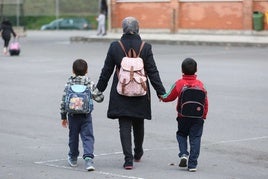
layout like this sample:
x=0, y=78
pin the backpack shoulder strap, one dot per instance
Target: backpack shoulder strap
x=142, y=45
x=131, y=52
x=122, y=46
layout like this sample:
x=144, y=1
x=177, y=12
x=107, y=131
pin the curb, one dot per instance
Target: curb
x=174, y=41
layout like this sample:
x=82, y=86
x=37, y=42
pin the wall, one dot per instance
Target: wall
x=211, y=15
x=175, y=15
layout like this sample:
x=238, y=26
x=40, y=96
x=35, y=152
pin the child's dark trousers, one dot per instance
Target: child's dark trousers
x=81, y=124
x=192, y=127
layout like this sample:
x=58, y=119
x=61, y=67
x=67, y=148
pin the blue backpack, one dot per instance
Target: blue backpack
x=78, y=99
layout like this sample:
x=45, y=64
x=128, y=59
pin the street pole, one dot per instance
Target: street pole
x=18, y=12
x=1, y=8
x=57, y=11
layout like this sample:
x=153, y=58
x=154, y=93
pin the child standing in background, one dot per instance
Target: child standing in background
x=101, y=24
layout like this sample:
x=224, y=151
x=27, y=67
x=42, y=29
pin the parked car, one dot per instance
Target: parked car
x=67, y=23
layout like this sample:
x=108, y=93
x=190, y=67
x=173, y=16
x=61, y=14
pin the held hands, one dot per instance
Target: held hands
x=160, y=98
x=97, y=95
x=64, y=123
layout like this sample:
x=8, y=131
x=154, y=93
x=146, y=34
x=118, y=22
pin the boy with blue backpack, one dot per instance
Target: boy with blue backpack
x=192, y=108
x=76, y=107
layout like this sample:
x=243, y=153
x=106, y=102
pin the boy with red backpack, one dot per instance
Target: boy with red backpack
x=192, y=108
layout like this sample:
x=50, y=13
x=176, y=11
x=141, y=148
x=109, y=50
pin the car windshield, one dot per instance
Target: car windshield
x=55, y=21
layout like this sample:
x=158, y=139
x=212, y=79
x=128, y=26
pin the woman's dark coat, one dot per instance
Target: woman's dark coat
x=7, y=30
x=121, y=106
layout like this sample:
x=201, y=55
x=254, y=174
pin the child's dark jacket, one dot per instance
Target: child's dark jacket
x=176, y=88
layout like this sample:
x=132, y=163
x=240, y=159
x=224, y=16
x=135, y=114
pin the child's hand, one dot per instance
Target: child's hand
x=97, y=95
x=160, y=98
x=64, y=123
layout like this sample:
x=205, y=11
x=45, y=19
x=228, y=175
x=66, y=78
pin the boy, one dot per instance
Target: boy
x=101, y=24
x=80, y=123
x=190, y=122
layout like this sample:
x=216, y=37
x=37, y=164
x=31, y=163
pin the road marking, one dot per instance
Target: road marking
x=238, y=140
x=51, y=163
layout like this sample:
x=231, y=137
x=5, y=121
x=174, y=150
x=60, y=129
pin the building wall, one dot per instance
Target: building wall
x=211, y=15
x=156, y=15
x=174, y=15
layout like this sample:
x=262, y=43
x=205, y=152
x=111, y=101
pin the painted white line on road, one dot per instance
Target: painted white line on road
x=79, y=169
x=219, y=142
x=51, y=163
x=238, y=140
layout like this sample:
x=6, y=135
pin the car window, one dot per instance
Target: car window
x=68, y=23
x=55, y=22
x=65, y=22
x=71, y=21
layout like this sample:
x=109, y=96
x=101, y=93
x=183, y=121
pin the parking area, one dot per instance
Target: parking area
x=34, y=145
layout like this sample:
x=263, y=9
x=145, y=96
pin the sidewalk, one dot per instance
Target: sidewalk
x=223, y=38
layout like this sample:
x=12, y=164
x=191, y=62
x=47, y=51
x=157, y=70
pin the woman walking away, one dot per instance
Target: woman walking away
x=6, y=31
x=130, y=110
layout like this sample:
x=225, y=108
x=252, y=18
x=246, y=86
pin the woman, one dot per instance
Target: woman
x=7, y=30
x=131, y=111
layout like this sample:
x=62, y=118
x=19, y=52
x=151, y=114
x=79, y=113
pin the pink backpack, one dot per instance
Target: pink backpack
x=131, y=76
x=14, y=48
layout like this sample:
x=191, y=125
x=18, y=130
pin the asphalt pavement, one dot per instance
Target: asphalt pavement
x=35, y=146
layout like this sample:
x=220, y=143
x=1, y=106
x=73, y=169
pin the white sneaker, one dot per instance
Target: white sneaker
x=89, y=164
x=72, y=161
x=183, y=162
x=192, y=169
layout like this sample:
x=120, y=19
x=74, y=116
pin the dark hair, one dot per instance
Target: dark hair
x=6, y=21
x=80, y=67
x=189, y=66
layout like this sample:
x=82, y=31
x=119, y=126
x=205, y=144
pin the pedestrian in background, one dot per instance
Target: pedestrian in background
x=130, y=111
x=6, y=31
x=101, y=24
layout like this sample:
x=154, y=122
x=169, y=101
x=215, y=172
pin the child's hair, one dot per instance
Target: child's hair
x=80, y=67
x=189, y=66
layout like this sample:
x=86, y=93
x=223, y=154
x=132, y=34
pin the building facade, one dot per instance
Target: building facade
x=178, y=15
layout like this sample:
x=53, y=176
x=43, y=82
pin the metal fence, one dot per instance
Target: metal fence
x=48, y=7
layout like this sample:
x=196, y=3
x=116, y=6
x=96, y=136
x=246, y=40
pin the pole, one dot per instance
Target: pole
x=57, y=11
x=1, y=8
x=18, y=12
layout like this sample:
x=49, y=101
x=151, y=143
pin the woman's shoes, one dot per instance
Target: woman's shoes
x=137, y=156
x=128, y=165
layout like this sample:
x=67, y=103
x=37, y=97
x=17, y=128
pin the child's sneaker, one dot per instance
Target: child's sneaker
x=89, y=164
x=192, y=169
x=183, y=162
x=72, y=161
